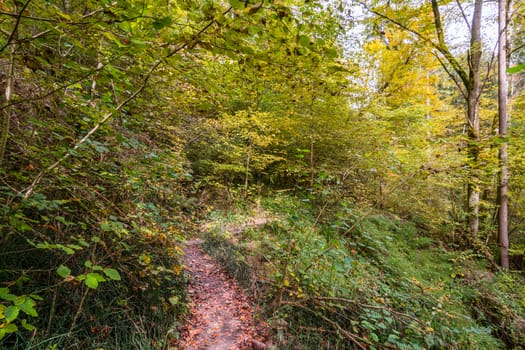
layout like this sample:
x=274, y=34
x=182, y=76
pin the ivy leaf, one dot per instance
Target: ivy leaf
x=236, y=4
x=139, y=43
x=173, y=300
x=337, y=68
x=374, y=337
x=36, y=297
x=63, y=271
x=331, y=53
x=125, y=26
x=64, y=16
x=112, y=274
x=247, y=50
x=253, y=9
x=104, y=226
x=91, y=281
x=304, y=40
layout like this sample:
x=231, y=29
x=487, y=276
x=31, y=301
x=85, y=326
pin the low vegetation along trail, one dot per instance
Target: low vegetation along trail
x=222, y=315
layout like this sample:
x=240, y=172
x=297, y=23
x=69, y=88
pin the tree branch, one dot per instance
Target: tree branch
x=463, y=15
x=49, y=93
x=443, y=49
x=15, y=28
x=441, y=46
x=28, y=191
x=489, y=66
x=459, y=85
x=367, y=306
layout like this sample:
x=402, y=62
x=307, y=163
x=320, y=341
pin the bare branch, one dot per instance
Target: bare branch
x=463, y=15
x=368, y=306
x=517, y=48
x=489, y=67
x=41, y=19
x=458, y=84
x=397, y=23
x=357, y=340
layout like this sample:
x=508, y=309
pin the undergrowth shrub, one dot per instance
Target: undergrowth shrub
x=92, y=258
x=495, y=301
x=356, y=282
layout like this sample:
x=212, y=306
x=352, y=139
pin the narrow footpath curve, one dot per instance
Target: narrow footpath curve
x=222, y=315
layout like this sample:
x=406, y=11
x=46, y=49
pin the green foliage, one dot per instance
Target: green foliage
x=243, y=145
x=516, y=69
x=95, y=186
x=101, y=271
x=381, y=283
x=123, y=113
x=10, y=308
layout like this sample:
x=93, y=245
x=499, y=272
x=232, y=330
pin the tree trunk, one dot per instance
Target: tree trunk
x=10, y=82
x=473, y=93
x=247, y=172
x=312, y=165
x=503, y=221
x=469, y=84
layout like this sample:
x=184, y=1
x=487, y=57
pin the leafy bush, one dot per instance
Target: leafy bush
x=92, y=258
x=377, y=285
x=95, y=274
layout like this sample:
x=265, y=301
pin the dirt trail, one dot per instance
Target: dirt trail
x=222, y=315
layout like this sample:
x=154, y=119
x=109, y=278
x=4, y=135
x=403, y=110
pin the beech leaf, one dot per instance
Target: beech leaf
x=63, y=271
x=112, y=274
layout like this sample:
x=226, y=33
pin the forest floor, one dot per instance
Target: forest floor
x=222, y=316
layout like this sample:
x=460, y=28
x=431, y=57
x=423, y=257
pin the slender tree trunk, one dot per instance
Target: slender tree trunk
x=503, y=155
x=247, y=172
x=312, y=165
x=473, y=93
x=312, y=145
x=10, y=82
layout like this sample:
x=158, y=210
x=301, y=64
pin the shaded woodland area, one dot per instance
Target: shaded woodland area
x=379, y=145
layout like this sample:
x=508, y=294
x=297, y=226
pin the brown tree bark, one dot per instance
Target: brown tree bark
x=503, y=222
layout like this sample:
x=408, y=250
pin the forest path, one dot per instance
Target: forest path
x=222, y=315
